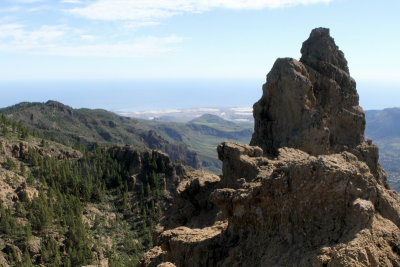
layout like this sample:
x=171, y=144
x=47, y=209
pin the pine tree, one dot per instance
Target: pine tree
x=22, y=169
x=26, y=259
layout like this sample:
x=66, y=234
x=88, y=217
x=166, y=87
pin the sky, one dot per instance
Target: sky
x=144, y=54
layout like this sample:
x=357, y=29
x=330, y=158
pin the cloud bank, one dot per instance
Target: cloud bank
x=78, y=38
x=140, y=10
x=48, y=40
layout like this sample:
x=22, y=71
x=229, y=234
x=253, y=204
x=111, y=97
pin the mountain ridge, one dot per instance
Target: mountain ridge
x=65, y=124
x=179, y=140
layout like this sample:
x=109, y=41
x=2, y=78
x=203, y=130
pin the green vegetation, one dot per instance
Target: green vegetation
x=202, y=135
x=66, y=125
x=9, y=127
x=66, y=188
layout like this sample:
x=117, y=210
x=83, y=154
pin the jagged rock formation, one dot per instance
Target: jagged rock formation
x=314, y=194
x=311, y=104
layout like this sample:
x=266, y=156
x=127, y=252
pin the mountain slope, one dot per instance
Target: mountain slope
x=212, y=119
x=193, y=143
x=203, y=136
x=64, y=207
x=67, y=125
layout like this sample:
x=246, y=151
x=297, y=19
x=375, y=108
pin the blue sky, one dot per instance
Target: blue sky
x=42, y=40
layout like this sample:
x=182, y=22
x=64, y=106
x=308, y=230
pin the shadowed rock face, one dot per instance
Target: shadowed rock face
x=311, y=104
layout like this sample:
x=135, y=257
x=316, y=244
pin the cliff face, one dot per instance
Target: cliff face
x=309, y=191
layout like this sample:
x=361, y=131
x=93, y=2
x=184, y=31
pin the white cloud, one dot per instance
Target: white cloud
x=145, y=10
x=71, y=1
x=39, y=8
x=132, y=25
x=88, y=37
x=18, y=34
x=49, y=40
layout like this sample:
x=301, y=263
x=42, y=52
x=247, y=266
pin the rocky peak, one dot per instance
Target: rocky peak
x=315, y=195
x=311, y=104
x=320, y=48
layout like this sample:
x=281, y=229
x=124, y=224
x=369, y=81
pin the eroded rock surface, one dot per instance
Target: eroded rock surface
x=311, y=104
x=311, y=193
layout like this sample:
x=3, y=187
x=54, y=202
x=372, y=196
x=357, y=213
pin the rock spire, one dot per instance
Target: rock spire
x=314, y=195
x=311, y=104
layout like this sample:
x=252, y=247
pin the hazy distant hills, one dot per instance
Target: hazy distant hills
x=193, y=142
x=236, y=114
x=67, y=125
x=383, y=127
x=190, y=135
x=203, y=135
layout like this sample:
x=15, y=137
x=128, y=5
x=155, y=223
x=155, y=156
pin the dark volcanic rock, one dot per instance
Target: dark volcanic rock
x=311, y=104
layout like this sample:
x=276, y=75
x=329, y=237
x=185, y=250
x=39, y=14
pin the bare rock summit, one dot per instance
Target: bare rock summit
x=311, y=104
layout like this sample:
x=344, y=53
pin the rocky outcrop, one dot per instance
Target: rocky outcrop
x=186, y=235
x=312, y=193
x=139, y=162
x=176, y=151
x=20, y=150
x=304, y=210
x=311, y=104
x=25, y=192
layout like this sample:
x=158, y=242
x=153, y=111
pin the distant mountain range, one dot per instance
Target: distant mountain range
x=383, y=127
x=188, y=135
x=193, y=142
x=236, y=114
x=64, y=124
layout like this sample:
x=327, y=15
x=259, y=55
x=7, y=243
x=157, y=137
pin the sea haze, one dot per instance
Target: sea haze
x=135, y=95
x=162, y=94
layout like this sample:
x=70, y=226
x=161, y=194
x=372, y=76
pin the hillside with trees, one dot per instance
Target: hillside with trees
x=74, y=206
x=193, y=143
